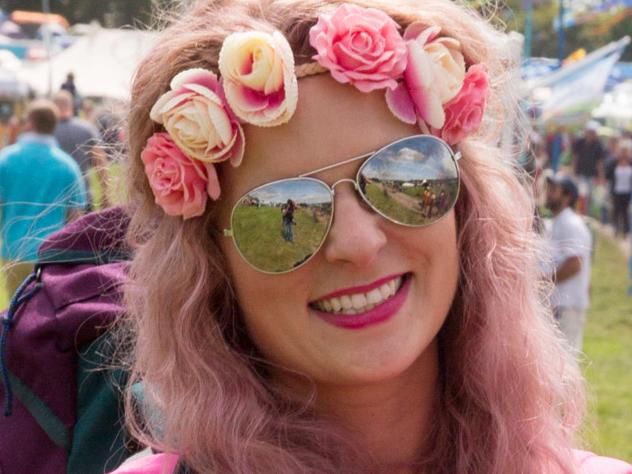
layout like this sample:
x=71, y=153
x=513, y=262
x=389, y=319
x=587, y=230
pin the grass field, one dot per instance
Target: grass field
x=393, y=208
x=608, y=348
x=261, y=239
x=608, y=361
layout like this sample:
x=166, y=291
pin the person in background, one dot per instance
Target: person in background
x=609, y=163
x=554, y=146
x=588, y=157
x=622, y=187
x=570, y=244
x=108, y=122
x=70, y=87
x=82, y=141
x=287, y=211
x=40, y=190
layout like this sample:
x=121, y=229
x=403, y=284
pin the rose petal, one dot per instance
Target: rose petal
x=175, y=100
x=418, y=77
x=212, y=187
x=204, y=92
x=159, y=107
x=202, y=77
x=221, y=122
x=401, y=105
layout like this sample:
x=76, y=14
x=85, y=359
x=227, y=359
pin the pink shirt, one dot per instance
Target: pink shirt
x=587, y=463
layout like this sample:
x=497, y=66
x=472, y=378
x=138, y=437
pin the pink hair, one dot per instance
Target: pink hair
x=509, y=401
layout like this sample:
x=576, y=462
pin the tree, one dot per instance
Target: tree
x=590, y=36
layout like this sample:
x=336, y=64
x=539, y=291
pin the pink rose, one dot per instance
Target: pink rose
x=195, y=114
x=434, y=75
x=465, y=112
x=361, y=46
x=180, y=184
x=258, y=76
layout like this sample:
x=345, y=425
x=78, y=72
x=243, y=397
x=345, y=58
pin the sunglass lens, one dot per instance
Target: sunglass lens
x=413, y=182
x=279, y=226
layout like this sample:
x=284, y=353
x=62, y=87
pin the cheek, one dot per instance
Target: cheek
x=436, y=257
x=269, y=304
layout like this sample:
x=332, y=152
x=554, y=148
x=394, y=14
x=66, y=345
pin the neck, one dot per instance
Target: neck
x=389, y=419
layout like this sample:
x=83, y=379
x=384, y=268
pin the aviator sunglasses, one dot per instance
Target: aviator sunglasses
x=279, y=226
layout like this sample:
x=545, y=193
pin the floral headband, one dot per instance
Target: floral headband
x=425, y=76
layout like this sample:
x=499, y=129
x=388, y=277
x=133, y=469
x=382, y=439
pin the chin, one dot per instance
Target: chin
x=381, y=364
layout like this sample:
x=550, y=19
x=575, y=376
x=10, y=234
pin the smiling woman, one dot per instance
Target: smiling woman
x=334, y=264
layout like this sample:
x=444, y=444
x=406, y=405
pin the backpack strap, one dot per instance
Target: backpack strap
x=46, y=419
x=21, y=296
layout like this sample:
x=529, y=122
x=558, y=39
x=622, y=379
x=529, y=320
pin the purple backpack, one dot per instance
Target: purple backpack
x=62, y=407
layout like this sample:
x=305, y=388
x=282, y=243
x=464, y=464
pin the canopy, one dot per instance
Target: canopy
x=569, y=94
x=103, y=63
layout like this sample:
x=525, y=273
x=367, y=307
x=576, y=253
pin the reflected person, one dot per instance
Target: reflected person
x=287, y=211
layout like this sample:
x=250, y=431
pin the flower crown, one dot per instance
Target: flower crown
x=425, y=76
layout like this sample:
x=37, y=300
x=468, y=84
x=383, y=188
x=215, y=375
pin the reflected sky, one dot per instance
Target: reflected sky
x=401, y=162
x=301, y=191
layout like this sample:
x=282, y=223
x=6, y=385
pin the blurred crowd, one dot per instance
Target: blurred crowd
x=599, y=161
x=54, y=161
x=583, y=180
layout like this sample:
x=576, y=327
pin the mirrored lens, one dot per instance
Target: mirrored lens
x=414, y=181
x=279, y=226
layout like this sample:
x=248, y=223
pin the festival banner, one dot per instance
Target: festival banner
x=570, y=93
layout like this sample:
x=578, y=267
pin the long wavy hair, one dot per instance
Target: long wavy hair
x=508, y=401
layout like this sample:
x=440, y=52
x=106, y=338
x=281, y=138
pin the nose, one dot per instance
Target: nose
x=355, y=235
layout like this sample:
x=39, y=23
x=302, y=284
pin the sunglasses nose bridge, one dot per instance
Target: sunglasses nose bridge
x=344, y=180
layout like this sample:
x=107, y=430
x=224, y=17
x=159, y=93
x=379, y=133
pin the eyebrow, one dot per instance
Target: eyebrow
x=335, y=165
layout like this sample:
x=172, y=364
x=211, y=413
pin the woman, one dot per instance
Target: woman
x=622, y=187
x=287, y=217
x=390, y=340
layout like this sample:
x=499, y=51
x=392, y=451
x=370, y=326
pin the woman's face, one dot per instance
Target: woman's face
x=363, y=251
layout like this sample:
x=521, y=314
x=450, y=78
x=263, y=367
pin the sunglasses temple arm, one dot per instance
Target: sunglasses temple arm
x=325, y=168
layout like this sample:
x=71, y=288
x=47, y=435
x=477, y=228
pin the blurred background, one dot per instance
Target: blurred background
x=575, y=74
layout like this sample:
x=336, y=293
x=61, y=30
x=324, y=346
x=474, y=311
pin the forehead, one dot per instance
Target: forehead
x=332, y=122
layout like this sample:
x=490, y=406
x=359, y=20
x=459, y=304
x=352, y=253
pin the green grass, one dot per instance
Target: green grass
x=608, y=348
x=392, y=208
x=405, y=206
x=260, y=236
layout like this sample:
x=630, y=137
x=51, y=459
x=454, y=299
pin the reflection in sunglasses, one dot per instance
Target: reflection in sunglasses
x=411, y=186
x=280, y=225
x=276, y=234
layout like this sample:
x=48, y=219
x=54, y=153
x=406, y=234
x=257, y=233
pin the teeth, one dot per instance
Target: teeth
x=346, y=302
x=374, y=297
x=360, y=302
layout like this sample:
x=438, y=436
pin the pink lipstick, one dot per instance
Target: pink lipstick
x=378, y=314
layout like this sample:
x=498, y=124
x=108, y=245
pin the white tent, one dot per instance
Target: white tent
x=616, y=107
x=102, y=61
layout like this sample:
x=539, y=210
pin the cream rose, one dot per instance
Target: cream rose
x=434, y=75
x=197, y=119
x=258, y=77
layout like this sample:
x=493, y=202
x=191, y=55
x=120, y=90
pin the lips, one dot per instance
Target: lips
x=397, y=288
x=359, y=300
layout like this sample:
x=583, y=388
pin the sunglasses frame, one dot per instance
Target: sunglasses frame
x=454, y=155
